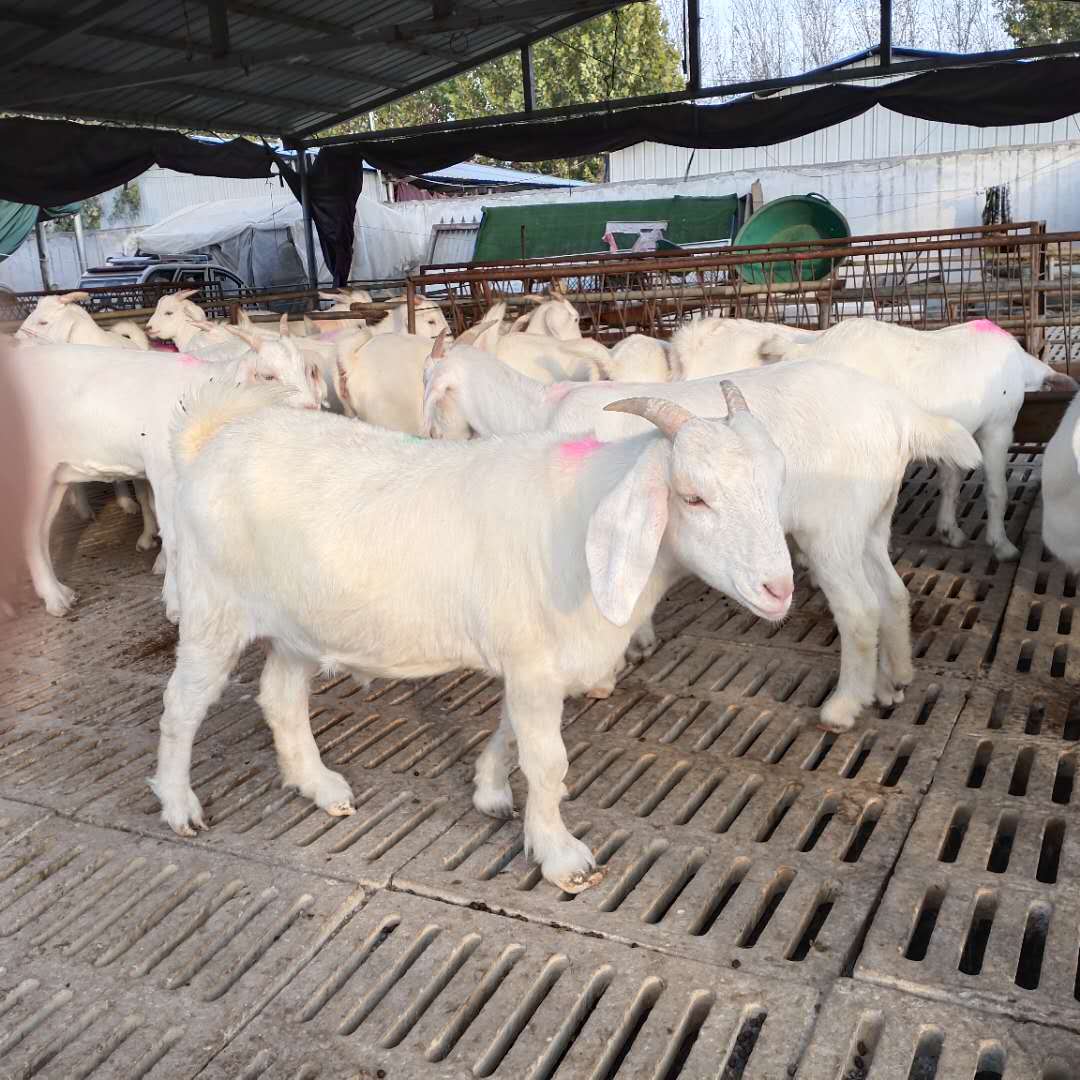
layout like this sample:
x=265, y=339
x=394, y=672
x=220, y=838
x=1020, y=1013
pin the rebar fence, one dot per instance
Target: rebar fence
x=1018, y=275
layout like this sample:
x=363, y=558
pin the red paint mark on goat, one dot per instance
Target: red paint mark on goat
x=988, y=326
x=578, y=450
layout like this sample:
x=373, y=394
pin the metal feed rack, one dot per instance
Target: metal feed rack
x=1018, y=275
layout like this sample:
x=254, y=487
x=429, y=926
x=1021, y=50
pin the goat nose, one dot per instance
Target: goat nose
x=779, y=588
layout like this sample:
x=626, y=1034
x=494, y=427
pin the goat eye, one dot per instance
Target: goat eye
x=693, y=500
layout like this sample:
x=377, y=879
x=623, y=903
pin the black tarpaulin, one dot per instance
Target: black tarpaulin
x=49, y=162
x=991, y=96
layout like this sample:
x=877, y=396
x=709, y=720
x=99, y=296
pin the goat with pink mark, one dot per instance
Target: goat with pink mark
x=556, y=551
x=104, y=414
x=847, y=440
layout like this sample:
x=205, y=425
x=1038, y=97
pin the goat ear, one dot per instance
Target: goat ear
x=254, y=342
x=247, y=368
x=341, y=387
x=184, y=294
x=331, y=296
x=521, y=323
x=283, y=326
x=624, y=535
x=311, y=327
x=73, y=297
x=243, y=319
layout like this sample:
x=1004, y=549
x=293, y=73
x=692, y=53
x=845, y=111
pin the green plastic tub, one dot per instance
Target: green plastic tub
x=800, y=219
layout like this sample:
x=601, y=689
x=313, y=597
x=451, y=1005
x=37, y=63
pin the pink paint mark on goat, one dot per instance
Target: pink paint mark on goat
x=188, y=360
x=577, y=451
x=988, y=326
x=557, y=391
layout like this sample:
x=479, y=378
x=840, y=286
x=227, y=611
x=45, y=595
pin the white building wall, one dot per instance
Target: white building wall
x=877, y=134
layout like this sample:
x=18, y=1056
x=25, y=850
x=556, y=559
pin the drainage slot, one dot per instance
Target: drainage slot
x=753, y=1020
x=978, y=935
x=925, y=922
x=738, y=804
x=826, y=812
x=1029, y=969
x=1065, y=620
x=1027, y=651
x=1071, y=731
x=574, y=1024
x=1057, y=662
x=821, y=752
x=1035, y=717
x=954, y=835
x=927, y=707
x=1001, y=849
x=1063, y=781
x=774, y=896
x=622, y=1042
x=858, y=760
x=685, y=1036
x=633, y=875
x=778, y=813
x=813, y=926
x=900, y=762
x=871, y=815
x=1050, y=854
x=459, y=1023
x=924, y=1064
x=519, y=1020
x=1021, y=773
x=706, y=920
x=1034, y=618
x=860, y=1056
x=977, y=775
x=991, y=1064
x=662, y=904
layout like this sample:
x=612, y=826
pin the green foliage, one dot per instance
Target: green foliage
x=128, y=203
x=1040, y=22
x=621, y=54
x=91, y=217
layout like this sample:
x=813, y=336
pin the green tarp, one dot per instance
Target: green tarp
x=17, y=219
x=577, y=228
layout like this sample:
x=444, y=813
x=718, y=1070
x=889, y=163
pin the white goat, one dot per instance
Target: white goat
x=1061, y=489
x=178, y=319
x=99, y=414
x=60, y=319
x=713, y=346
x=638, y=358
x=381, y=380
x=430, y=321
x=976, y=373
x=527, y=558
x=539, y=356
x=553, y=316
x=847, y=440
x=340, y=300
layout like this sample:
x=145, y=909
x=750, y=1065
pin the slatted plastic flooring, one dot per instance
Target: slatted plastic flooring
x=899, y=901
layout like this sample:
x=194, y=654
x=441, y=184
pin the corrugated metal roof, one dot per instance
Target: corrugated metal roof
x=263, y=67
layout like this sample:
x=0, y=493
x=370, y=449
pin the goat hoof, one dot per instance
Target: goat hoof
x=1006, y=551
x=580, y=881
x=128, y=505
x=341, y=809
x=494, y=802
x=145, y=543
x=888, y=693
x=839, y=713
x=62, y=602
x=184, y=815
x=599, y=693
x=953, y=536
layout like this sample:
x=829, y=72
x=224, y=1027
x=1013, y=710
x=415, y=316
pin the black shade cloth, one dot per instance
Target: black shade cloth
x=49, y=162
x=333, y=188
x=995, y=95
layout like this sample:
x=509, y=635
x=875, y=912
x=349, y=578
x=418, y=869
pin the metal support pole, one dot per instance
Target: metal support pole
x=528, y=81
x=885, y=57
x=80, y=243
x=693, y=42
x=309, y=231
x=43, y=256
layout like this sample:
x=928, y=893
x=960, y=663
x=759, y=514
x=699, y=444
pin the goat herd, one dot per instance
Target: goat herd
x=516, y=503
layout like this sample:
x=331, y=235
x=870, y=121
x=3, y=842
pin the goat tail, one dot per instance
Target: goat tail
x=204, y=412
x=942, y=439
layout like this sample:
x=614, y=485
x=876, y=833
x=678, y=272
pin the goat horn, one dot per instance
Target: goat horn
x=256, y=343
x=733, y=398
x=666, y=415
x=438, y=350
x=72, y=297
